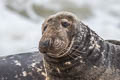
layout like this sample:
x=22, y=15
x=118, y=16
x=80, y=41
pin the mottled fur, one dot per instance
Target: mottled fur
x=86, y=57
x=24, y=66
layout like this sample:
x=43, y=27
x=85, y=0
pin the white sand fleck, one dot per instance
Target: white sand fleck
x=17, y=62
x=44, y=74
x=33, y=64
x=80, y=57
x=58, y=70
x=38, y=69
x=95, y=66
x=67, y=63
x=24, y=73
x=82, y=61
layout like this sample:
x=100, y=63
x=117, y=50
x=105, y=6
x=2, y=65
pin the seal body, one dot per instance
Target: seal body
x=82, y=54
x=27, y=66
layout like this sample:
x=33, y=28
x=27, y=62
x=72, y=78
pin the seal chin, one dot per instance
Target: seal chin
x=57, y=53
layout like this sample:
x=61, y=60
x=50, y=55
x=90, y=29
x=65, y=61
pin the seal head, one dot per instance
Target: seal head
x=57, y=34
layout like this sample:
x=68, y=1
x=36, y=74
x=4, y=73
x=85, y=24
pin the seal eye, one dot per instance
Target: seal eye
x=65, y=24
x=45, y=28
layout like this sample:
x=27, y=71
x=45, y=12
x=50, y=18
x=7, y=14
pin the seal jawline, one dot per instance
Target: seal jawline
x=67, y=51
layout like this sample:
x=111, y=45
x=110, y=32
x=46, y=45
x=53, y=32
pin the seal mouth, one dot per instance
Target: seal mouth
x=62, y=53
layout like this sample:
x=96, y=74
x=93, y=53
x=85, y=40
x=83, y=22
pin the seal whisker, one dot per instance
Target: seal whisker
x=78, y=50
x=71, y=56
x=76, y=54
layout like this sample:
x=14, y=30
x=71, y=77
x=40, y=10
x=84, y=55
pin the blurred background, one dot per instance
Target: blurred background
x=20, y=20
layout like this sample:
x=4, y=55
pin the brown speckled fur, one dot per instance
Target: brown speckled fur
x=86, y=57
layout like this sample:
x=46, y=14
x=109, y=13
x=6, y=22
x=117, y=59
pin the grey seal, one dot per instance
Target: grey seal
x=22, y=66
x=73, y=51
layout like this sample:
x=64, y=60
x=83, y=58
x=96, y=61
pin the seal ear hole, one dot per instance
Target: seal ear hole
x=65, y=24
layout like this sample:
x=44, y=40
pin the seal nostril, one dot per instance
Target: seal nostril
x=45, y=44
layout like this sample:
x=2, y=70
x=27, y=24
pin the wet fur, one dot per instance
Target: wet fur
x=89, y=58
x=24, y=66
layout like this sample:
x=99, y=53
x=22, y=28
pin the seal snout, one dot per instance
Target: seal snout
x=44, y=45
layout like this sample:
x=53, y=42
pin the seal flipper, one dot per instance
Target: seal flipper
x=27, y=66
x=113, y=42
